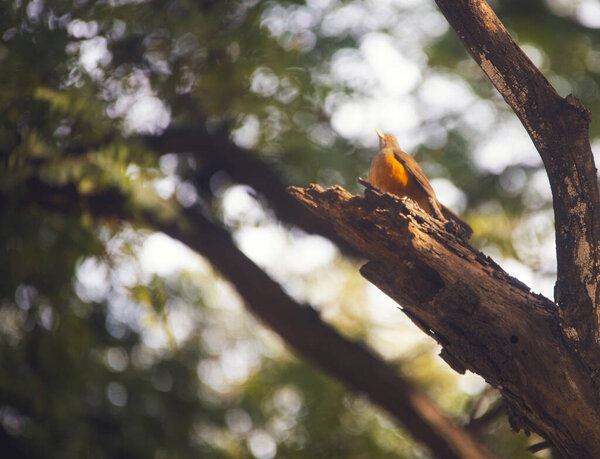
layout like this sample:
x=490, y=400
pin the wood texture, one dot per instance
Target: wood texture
x=486, y=321
x=559, y=129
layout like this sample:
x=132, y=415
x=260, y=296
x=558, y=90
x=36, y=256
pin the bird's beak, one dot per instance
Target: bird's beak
x=381, y=136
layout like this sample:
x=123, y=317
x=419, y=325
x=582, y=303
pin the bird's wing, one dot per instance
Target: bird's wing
x=412, y=166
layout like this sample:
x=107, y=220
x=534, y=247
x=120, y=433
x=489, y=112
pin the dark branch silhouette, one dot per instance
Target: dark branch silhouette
x=299, y=325
x=243, y=166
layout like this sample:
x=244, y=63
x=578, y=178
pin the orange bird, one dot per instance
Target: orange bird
x=396, y=172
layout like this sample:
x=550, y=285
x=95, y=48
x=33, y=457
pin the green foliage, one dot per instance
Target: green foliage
x=81, y=85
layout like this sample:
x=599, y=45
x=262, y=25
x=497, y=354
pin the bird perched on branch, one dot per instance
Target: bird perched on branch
x=396, y=172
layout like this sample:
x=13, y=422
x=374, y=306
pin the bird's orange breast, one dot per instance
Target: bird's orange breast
x=390, y=175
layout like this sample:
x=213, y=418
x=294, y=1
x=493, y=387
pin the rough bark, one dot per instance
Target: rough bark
x=299, y=325
x=559, y=128
x=486, y=321
x=542, y=356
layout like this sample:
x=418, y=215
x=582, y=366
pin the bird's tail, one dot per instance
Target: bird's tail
x=464, y=226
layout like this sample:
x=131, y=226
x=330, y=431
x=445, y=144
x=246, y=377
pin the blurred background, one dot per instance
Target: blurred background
x=119, y=341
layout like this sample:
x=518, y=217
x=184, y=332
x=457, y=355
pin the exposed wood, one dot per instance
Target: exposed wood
x=559, y=128
x=486, y=321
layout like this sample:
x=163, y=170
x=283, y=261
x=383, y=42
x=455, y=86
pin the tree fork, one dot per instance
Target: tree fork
x=559, y=129
x=486, y=321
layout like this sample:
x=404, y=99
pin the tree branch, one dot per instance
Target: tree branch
x=485, y=320
x=300, y=326
x=559, y=128
x=245, y=167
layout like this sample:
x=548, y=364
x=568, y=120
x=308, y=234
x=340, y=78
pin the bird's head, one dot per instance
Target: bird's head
x=387, y=140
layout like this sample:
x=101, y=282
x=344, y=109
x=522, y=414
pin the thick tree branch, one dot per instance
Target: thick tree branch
x=244, y=167
x=485, y=320
x=300, y=326
x=559, y=129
